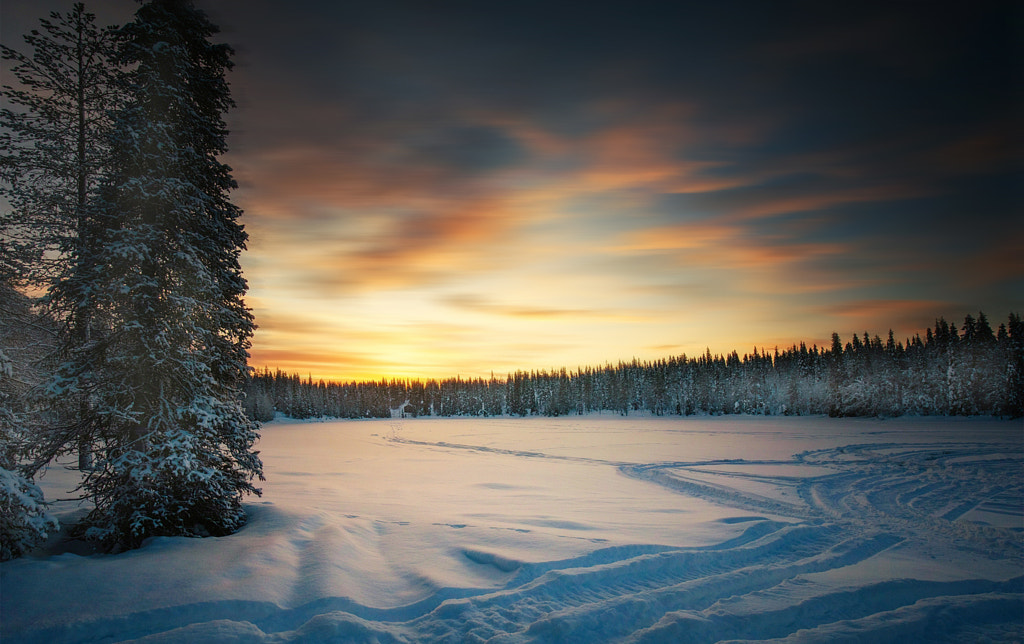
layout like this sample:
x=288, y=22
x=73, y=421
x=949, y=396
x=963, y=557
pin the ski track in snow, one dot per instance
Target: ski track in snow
x=792, y=580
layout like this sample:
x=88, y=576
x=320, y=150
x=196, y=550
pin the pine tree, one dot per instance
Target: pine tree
x=53, y=155
x=174, y=446
x=53, y=143
x=1013, y=350
x=24, y=521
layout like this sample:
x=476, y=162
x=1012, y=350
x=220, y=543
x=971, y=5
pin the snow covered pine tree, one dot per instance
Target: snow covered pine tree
x=24, y=522
x=53, y=144
x=173, y=445
x=54, y=148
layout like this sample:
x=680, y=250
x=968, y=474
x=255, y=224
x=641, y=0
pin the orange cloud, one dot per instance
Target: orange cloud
x=320, y=363
x=828, y=200
x=419, y=249
x=481, y=305
x=718, y=262
x=725, y=245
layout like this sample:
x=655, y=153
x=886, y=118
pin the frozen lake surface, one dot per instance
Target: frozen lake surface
x=588, y=529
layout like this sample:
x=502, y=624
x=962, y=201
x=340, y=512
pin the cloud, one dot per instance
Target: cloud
x=726, y=246
x=476, y=304
x=416, y=249
x=308, y=325
x=319, y=362
x=466, y=149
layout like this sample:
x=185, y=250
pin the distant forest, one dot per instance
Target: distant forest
x=967, y=371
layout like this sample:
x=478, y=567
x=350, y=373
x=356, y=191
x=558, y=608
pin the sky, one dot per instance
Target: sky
x=436, y=189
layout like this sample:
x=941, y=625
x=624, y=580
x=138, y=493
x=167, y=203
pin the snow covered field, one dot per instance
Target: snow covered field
x=588, y=529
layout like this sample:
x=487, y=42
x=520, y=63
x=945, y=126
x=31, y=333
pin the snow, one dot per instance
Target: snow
x=593, y=528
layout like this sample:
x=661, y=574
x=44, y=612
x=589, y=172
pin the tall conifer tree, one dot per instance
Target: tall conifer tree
x=53, y=139
x=53, y=154
x=174, y=445
x=54, y=151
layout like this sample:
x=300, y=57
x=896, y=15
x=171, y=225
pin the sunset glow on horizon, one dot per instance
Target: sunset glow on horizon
x=460, y=189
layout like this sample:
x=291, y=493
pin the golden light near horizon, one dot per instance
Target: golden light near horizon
x=545, y=294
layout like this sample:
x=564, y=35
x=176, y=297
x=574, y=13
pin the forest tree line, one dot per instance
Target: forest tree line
x=971, y=370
